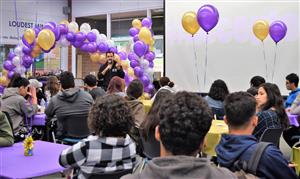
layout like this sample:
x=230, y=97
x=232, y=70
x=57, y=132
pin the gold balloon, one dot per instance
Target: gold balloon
x=136, y=23
x=145, y=35
x=29, y=35
x=95, y=57
x=261, y=29
x=152, y=41
x=117, y=58
x=151, y=48
x=3, y=80
x=46, y=39
x=125, y=64
x=102, y=59
x=4, y=72
x=130, y=72
x=66, y=22
x=189, y=22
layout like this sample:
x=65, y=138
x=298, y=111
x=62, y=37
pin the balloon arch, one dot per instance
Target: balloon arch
x=34, y=41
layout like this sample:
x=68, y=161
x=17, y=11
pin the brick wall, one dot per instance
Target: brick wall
x=87, y=65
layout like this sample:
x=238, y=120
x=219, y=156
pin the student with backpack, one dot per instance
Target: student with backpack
x=239, y=150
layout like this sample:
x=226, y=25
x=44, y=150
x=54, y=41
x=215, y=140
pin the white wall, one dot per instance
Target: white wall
x=234, y=54
x=91, y=7
x=30, y=12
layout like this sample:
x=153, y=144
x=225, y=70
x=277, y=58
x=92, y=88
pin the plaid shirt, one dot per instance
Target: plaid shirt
x=96, y=155
x=266, y=119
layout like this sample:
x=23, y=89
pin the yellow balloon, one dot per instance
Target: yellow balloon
x=3, y=80
x=95, y=57
x=130, y=72
x=29, y=35
x=125, y=64
x=136, y=23
x=4, y=72
x=152, y=41
x=189, y=22
x=261, y=29
x=66, y=22
x=145, y=35
x=46, y=39
x=102, y=59
x=117, y=58
x=151, y=48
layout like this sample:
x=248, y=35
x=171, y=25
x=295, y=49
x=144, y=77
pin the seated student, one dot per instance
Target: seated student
x=116, y=86
x=291, y=83
x=271, y=113
x=239, y=144
x=52, y=87
x=18, y=108
x=165, y=84
x=255, y=82
x=110, y=149
x=216, y=95
x=91, y=85
x=6, y=134
x=185, y=119
x=69, y=103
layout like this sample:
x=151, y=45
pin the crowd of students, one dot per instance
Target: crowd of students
x=111, y=126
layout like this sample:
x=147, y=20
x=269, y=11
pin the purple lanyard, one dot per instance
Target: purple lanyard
x=26, y=117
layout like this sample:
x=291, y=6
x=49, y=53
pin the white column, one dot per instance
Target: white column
x=149, y=13
x=108, y=26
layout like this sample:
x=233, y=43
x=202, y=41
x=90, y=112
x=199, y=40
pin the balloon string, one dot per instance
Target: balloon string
x=196, y=64
x=16, y=16
x=205, y=68
x=274, y=63
x=264, y=53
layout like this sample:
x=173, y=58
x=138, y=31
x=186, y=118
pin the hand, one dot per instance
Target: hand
x=109, y=66
x=118, y=66
x=32, y=93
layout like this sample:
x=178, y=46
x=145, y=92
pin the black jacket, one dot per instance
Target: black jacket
x=104, y=79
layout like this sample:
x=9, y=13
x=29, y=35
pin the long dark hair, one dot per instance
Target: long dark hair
x=275, y=100
x=218, y=90
x=152, y=119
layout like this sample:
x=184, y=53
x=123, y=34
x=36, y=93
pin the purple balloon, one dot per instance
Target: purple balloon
x=113, y=49
x=207, y=17
x=70, y=36
x=134, y=63
x=37, y=31
x=11, y=55
x=57, y=34
x=136, y=38
x=49, y=25
x=133, y=31
x=1, y=89
x=80, y=37
x=122, y=55
x=149, y=88
x=63, y=28
x=132, y=56
x=145, y=80
x=146, y=22
x=84, y=47
x=27, y=60
x=92, y=47
x=10, y=74
x=91, y=37
x=103, y=47
x=140, y=48
x=277, y=31
x=138, y=71
x=149, y=56
x=26, y=50
x=8, y=65
x=151, y=64
x=77, y=44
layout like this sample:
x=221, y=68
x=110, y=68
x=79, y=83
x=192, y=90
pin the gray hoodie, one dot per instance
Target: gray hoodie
x=181, y=167
x=17, y=107
x=73, y=101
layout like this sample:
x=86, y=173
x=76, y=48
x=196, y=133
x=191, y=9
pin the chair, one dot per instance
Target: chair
x=151, y=147
x=295, y=158
x=113, y=175
x=219, y=112
x=271, y=135
x=71, y=129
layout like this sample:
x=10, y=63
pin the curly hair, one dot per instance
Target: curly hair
x=218, y=90
x=185, y=119
x=274, y=99
x=110, y=116
x=152, y=118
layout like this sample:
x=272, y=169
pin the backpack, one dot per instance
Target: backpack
x=244, y=169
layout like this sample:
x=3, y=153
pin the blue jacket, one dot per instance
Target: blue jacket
x=292, y=96
x=240, y=147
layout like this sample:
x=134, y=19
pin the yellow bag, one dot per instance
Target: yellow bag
x=295, y=158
